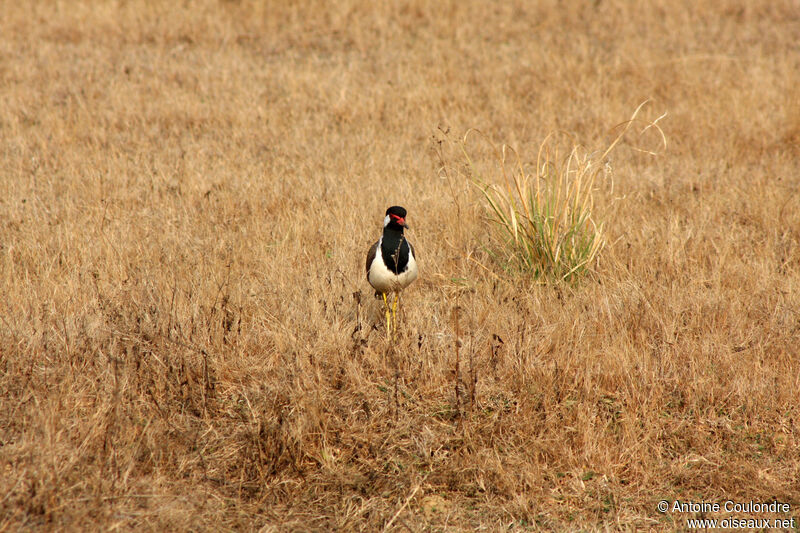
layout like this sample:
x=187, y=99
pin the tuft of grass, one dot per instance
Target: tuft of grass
x=546, y=218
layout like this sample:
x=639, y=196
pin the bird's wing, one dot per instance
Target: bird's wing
x=413, y=251
x=371, y=256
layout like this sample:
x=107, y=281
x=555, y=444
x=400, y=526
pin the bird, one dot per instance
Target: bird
x=392, y=263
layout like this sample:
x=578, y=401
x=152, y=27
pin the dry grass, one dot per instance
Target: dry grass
x=187, y=194
x=544, y=217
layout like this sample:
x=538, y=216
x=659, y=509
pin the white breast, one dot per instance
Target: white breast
x=384, y=280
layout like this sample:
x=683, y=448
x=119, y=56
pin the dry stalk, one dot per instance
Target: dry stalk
x=457, y=371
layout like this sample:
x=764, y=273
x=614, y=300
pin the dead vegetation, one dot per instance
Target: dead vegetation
x=187, y=338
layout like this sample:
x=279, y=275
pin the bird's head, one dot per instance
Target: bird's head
x=395, y=218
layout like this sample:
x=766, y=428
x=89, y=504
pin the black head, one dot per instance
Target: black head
x=395, y=218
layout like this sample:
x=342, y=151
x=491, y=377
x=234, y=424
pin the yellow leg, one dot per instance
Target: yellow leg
x=388, y=315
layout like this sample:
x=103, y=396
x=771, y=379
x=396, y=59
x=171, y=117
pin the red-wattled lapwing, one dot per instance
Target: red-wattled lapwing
x=391, y=265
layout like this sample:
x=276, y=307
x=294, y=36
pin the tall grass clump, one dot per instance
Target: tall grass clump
x=545, y=217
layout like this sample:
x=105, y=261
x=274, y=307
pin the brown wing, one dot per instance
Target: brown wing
x=371, y=256
x=413, y=251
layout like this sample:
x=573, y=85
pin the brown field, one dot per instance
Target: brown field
x=187, y=194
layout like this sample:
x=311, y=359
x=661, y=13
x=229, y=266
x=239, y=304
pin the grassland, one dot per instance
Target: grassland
x=187, y=340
